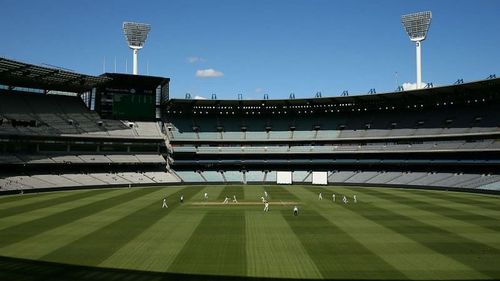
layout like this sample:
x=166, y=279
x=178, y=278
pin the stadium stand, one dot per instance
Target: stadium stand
x=446, y=137
x=443, y=136
x=50, y=138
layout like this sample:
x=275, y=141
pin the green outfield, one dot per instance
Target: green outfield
x=124, y=234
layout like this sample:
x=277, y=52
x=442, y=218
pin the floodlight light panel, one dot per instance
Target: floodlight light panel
x=136, y=33
x=417, y=25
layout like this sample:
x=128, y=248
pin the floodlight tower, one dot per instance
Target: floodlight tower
x=417, y=25
x=136, y=34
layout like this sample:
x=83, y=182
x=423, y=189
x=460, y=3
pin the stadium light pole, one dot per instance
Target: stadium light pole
x=417, y=25
x=136, y=34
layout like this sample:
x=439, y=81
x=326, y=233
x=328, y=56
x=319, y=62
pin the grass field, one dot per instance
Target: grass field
x=124, y=234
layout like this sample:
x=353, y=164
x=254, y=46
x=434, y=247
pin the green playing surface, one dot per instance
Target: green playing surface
x=124, y=234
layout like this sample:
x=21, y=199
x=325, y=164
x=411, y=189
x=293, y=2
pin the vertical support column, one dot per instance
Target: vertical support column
x=135, y=70
x=419, y=65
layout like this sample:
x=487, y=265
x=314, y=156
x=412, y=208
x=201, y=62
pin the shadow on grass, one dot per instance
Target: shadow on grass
x=32, y=270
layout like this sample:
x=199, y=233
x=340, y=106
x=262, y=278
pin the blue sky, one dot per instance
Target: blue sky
x=259, y=46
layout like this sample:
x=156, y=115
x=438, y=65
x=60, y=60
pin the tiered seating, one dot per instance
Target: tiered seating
x=430, y=179
x=123, y=158
x=233, y=176
x=407, y=177
x=150, y=158
x=270, y=176
x=256, y=135
x=232, y=135
x=162, y=177
x=56, y=180
x=186, y=149
x=340, y=176
x=95, y=158
x=209, y=135
x=300, y=176
x=254, y=176
x=344, y=147
x=83, y=179
x=50, y=114
x=213, y=176
x=64, y=115
x=482, y=180
x=110, y=178
x=147, y=129
x=135, y=177
x=384, y=177
x=190, y=176
x=491, y=186
x=456, y=179
x=81, y=159
x=41, y=181
x=176, y=135
x=362, y=177
x=74, y=159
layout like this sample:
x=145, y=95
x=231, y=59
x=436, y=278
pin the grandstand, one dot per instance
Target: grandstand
x=441, y=137
x=51, y=138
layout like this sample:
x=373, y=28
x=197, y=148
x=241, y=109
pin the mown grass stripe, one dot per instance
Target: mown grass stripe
x=156, y=247
x=273, y=250
x=28, y=229
x=9, y=201
x=48, y=202
x=255, y=192
x=475, y=255
x=217, y=246
x=5, y=199
x=413, y=259
x=230, y=191
x=97, y=246
x=471, y=199
x=440, y=209
x=336, y=254
x=40, y=245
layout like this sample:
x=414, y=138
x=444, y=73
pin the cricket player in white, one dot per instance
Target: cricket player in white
x=344, y=199
x=265, y=194
x=320, y=196
x=164, y=203
x=182, y=198
x=355, y=199
x=295, y=211
x=333, y=197
x=263, y=199
x=266, y=206
x=226, y=200
x=234, y=199
x=206, y=196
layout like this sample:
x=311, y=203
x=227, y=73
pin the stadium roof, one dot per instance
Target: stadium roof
x=481, y=87
x=131, y=81
x=19, y=74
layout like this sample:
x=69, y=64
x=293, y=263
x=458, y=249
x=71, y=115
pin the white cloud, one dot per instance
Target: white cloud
x=199, y=97
x=208, y=73
x=195, y=59
x=411, y=86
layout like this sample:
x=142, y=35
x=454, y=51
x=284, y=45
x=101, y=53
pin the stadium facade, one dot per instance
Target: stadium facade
x=60, y=129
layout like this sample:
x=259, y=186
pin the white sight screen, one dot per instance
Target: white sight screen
x=283, y=177
x=320, y=178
